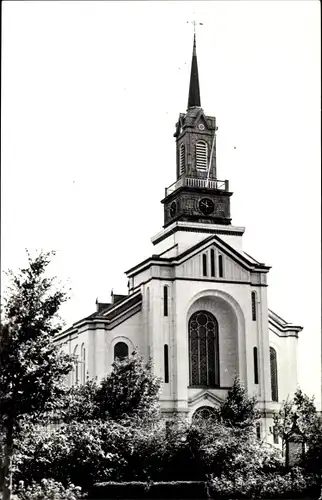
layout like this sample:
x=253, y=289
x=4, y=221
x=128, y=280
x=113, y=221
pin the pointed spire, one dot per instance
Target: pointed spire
x=194, y=92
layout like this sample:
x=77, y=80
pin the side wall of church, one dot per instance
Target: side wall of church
x=287, y=358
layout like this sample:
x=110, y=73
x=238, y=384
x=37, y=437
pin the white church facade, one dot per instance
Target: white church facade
x=198, y=305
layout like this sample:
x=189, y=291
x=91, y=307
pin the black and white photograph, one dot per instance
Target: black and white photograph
x=160, y=331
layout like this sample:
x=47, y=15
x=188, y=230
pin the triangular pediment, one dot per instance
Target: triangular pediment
x=205, y=395
x=237, y=265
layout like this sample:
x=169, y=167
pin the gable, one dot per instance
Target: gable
x=205, y=264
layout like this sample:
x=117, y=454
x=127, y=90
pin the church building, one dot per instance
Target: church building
x=198, y=305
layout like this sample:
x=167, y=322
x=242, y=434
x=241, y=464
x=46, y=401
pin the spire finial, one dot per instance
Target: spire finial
x=194, y=92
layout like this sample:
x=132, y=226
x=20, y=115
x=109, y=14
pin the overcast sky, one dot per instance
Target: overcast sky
x=91, y=92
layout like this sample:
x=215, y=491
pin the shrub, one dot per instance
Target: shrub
x=77, y=453
x=48, y=489
x=158, y=490
x=294, y=484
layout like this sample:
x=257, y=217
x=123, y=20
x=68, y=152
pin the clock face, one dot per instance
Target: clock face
x=201, y=126
x=173, y=209
x=206, y=206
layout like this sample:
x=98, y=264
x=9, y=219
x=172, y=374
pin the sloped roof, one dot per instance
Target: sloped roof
x=241, y=257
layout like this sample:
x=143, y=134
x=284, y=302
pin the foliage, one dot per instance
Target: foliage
x=301, y=407
x=139, y=489
x=80, y=403
x=294, y=484
x=48, y=489
x=300, y=412
x=80, y=453
x=130, y=390
x=239, y=409
x=33, y=368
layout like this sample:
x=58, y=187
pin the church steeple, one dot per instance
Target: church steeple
x=197, y=196
x=194, y=91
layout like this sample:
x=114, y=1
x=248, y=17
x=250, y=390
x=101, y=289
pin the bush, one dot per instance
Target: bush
x=294, y=484
x=158, y=490
x=48, y=489
x=77, y=453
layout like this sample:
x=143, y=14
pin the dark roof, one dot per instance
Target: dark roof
x=194, y=91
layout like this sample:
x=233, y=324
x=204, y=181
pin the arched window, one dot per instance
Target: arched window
x=75, y=376
x=204, y=264
x=258, y=430
x=221, y=266
x=212, y=262
x=201, y=155
x=203, y=349
x=83, y=364
x=121, y=351
x=255, y=353
x=254, y=306
x=203, y=413
x=165, y=300
x=182, y=158
x=166, y=363
x=274, y=378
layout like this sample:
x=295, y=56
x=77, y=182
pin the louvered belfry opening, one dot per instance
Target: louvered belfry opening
x=201, y=155
x=182, y=158
x=274, y=377
x=203, y=350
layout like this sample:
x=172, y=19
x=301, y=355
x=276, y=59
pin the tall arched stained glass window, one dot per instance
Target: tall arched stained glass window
x=274, y=377
x=121, y=351
x=203, y=349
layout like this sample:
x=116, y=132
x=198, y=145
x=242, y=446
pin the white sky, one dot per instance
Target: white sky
x=91, y=92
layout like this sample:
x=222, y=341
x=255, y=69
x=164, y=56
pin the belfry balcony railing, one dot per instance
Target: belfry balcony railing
x=197, y=183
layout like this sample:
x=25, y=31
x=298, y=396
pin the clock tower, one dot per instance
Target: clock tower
x=197, y=195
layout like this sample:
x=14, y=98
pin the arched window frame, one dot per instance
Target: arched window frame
x=165, y=300
x=83, y=364
x=220, y=266
x=75, y=374
x=212, y=262
x=166, y=363
x=255, y=356
x=182, y=158
x=203, y=413
x=204, y=265
x=254, y=311
x=118, y=345
x=274, y=373
x=201, y=155
x=204, y=371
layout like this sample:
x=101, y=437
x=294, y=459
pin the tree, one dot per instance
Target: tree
x=131, y=390
x=239, y=409
x=33, y=368
x=300, y=412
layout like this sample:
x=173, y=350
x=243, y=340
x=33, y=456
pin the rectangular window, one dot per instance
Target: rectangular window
x=221, y=267
x=166, y=364
x=204, y=264
x=254, y=306
x=165, y=301
x=212, y=262
x=275, y=435
x=258, y=430
x=255, y=365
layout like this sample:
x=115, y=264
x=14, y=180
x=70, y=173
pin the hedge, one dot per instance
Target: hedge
x=158, y=490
